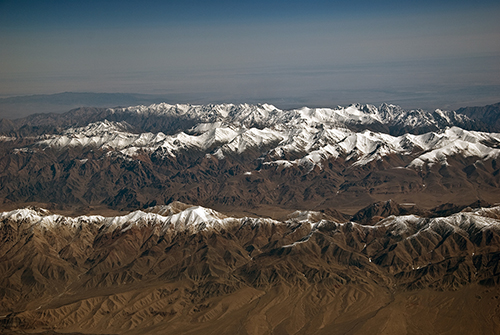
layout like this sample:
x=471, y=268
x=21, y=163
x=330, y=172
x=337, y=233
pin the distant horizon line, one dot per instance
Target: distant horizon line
x=7, y=96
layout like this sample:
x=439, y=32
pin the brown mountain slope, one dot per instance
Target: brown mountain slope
x=192, y=270
x=248, y=158
x=83, y=179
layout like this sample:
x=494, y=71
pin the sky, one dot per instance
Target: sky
x=418, y=54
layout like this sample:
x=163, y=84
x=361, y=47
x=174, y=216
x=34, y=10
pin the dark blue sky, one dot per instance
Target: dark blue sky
x=419, y=54
x=19, y=14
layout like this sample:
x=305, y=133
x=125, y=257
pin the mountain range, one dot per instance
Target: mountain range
x=250, y=219
x=240, y=157
x=187, y=269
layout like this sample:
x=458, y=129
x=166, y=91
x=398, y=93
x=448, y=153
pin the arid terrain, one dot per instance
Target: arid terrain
x=249, y=158
x=190, y=270
x=247, y=219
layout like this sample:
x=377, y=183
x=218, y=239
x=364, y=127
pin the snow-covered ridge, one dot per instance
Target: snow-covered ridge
x=196, y=218
x=192, y=219
x=266, y=115
x=313, y=134
x=411, y=226
x=113, y=136
x=6, y=138
x=242, y=114
x=314, y=145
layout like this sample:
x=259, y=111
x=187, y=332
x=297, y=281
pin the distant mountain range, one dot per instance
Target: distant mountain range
x=21, y=106
x=245, y=156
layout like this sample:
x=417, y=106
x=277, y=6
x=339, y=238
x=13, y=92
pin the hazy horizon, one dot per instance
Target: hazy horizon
x=418, y=55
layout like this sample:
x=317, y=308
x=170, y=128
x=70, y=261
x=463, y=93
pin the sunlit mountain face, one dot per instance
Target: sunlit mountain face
x=183, y=269
x=249, y=167
x=250, y=219
x=242, y=157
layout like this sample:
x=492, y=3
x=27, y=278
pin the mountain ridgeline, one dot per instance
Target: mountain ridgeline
x=249, y=156
x=187, y=269
x=169, y=119
x=248, y=219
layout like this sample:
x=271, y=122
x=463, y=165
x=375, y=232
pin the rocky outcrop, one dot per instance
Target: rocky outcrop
x=488, y=117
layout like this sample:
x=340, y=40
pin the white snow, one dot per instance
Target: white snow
x=196, y=218
x=311, y=134
x=193, y=219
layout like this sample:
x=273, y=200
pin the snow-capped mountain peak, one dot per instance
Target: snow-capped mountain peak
x=312, y=134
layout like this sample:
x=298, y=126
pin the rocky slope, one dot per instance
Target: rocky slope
x=347, y=220
x=168, y=118
x=245, y=157
x=187, y=269
x=487, y=117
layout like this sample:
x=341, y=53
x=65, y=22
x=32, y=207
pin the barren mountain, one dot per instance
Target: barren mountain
x=347, y=220
x=187, y=269
x=247, y=156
